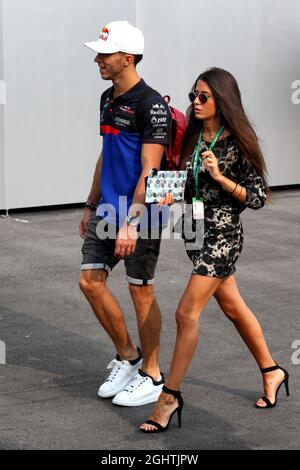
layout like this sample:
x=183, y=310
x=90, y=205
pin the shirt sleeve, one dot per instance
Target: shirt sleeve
x=254, y=185
x=156, y=121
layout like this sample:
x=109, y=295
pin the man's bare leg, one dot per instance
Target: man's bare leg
x=108, y=311
x=149, y=327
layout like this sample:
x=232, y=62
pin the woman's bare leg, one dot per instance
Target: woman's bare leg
x=234, y=307
x=198, y=292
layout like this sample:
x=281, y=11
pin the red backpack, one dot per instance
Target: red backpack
x=171, y=159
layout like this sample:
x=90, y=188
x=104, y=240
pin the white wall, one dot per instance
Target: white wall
x=258, y=41
x=53, y=87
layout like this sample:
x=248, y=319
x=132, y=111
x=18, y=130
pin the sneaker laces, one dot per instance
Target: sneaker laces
x=135, y=383
x=115, y=365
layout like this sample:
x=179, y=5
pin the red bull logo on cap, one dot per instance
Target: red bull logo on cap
x=104, y=33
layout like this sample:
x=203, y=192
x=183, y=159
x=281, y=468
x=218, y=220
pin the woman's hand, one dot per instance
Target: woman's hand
x=168, y=200
x=210, y=163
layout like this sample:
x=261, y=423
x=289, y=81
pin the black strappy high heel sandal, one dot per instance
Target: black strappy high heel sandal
x=285, y=381
x=178, y=410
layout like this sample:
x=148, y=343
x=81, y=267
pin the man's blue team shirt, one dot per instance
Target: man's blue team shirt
x=126, y=126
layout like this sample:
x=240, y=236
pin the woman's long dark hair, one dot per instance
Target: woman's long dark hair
x=228, y=99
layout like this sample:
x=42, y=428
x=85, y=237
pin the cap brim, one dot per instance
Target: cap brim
x=102, y=47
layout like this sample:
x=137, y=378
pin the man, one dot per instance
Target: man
x=134, y=123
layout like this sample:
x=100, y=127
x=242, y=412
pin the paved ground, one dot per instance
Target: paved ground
x=56, y=353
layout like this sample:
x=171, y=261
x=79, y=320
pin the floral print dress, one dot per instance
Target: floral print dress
x=223, y=230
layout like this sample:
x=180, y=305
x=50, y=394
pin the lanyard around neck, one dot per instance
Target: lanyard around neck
x=196, y=160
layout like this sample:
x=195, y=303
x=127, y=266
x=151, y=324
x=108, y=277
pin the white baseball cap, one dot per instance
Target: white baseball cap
x=118, y=36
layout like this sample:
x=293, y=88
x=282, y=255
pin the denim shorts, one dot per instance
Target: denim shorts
x=98, y=253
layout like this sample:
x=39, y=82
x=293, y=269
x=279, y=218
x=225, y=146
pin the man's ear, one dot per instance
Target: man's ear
x=128, y=59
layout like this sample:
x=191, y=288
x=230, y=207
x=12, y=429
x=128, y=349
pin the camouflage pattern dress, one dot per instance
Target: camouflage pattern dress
x=223, y=230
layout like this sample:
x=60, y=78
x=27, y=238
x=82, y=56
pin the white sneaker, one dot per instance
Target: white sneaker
x=121, y=375
x=142, y=390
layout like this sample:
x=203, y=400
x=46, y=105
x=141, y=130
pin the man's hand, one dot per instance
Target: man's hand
x=87, y=214
x=126, y=241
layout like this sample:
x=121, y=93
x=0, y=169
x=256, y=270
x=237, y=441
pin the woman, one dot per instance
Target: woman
x=224, y=177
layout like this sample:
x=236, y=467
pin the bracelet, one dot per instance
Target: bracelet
x=240, y=191
x=91, y=205
x=234, y=189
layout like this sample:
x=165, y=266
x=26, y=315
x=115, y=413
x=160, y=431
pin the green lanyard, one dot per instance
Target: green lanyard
x=196, y=160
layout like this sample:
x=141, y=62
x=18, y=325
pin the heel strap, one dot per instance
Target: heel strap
x=175, y=393
x=269, y=369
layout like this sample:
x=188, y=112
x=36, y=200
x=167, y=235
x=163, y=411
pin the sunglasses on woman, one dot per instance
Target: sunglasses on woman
x=202, y=96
